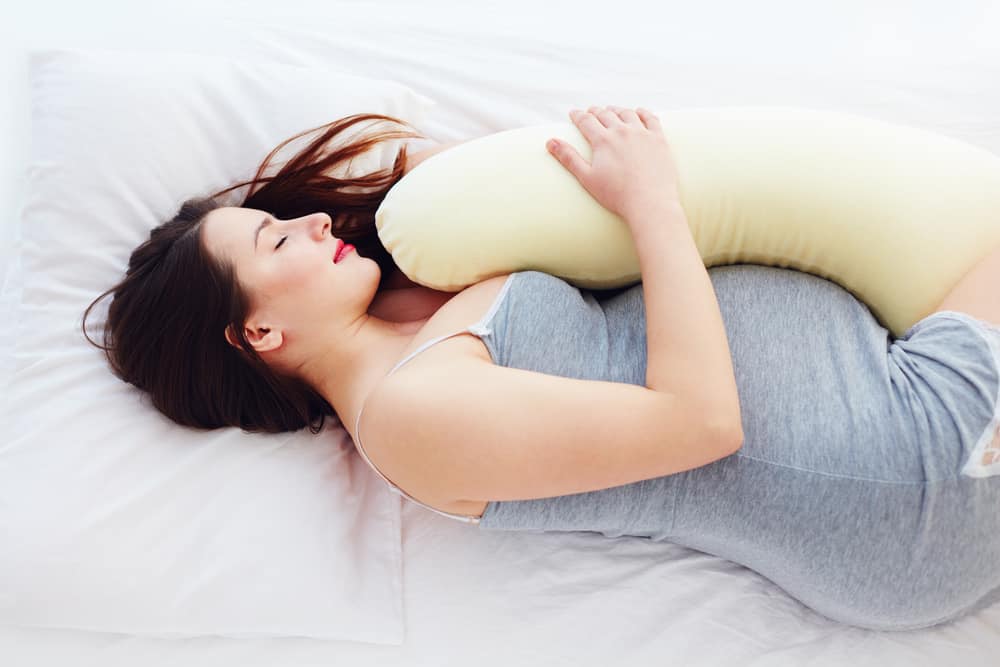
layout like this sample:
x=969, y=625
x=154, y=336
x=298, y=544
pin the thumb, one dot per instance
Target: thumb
x=568, y=157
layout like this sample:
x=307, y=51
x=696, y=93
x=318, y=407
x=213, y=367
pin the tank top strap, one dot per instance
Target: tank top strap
x=477, y=329
x=480, y=328
x=361, y=450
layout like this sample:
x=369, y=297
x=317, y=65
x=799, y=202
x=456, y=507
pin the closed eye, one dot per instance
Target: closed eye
x=280, y=242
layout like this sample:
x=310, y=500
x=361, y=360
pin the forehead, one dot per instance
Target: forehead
x=229, y=231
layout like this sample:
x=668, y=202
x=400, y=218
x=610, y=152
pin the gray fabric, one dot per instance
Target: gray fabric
x=848, y=492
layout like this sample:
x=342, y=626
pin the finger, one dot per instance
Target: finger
x=607, y=117
x=589, y=126
x=649, y=118
x=628, y=116
x=568, y=157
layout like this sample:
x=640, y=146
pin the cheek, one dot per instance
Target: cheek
x=303, y=269
x=297, y=274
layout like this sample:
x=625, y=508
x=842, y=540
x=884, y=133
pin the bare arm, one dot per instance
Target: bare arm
x=418, y=157
x=632, y=174
x=687, y=345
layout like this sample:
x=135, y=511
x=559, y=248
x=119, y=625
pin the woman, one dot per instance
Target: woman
x=756, y=413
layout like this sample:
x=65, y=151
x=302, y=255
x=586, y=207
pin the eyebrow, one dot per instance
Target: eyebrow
x=263, y=223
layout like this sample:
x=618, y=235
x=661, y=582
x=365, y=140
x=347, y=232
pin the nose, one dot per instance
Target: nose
x=319, y=226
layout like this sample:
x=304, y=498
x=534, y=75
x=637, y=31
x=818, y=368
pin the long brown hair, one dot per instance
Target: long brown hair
x=166, y=321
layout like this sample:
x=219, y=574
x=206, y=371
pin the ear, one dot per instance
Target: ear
x=262, y=338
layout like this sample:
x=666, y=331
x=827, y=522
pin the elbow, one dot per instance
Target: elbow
x=734, y=430
x=412, y=161
x=723, y=426
x=736, y=438
x=729, y=435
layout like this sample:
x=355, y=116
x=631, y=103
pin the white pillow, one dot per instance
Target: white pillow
x=112, y=517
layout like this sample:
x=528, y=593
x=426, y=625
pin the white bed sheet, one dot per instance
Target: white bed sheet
x=562, y=598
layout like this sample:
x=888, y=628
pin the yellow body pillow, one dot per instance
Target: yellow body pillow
x=894, y=214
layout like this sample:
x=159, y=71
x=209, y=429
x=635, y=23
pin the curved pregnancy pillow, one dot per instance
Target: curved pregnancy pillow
x=896, y=215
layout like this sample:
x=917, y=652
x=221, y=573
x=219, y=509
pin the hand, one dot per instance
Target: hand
x=631, y=168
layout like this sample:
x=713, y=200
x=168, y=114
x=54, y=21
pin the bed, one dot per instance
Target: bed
x=525, y=598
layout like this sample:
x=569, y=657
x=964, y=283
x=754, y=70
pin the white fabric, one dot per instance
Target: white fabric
x=159, y=529
x=539, y=599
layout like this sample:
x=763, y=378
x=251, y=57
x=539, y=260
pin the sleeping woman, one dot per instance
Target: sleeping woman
x=756, y=413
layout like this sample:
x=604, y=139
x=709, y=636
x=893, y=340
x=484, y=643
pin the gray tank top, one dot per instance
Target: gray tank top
x=815, y=371
x=868, y=482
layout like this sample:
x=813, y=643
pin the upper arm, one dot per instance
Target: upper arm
x=978, y=292
x=418, y=157
x=476, y=431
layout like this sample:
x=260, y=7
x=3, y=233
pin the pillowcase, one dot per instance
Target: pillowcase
x=894, y=214
x=113, y=517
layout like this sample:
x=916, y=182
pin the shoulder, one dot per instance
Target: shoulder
x=539, y=280
x=474, y=300
x=466, y=308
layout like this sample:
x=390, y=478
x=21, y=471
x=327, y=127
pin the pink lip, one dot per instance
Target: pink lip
x=342, y=249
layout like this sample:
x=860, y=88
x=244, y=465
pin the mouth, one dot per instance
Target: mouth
x=342, y=249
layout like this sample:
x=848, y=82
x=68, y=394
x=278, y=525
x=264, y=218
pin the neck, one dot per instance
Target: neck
x=372, y=345
x=364, y=356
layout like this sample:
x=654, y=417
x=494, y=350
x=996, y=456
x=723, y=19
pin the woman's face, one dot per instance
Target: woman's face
x=287, y=269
